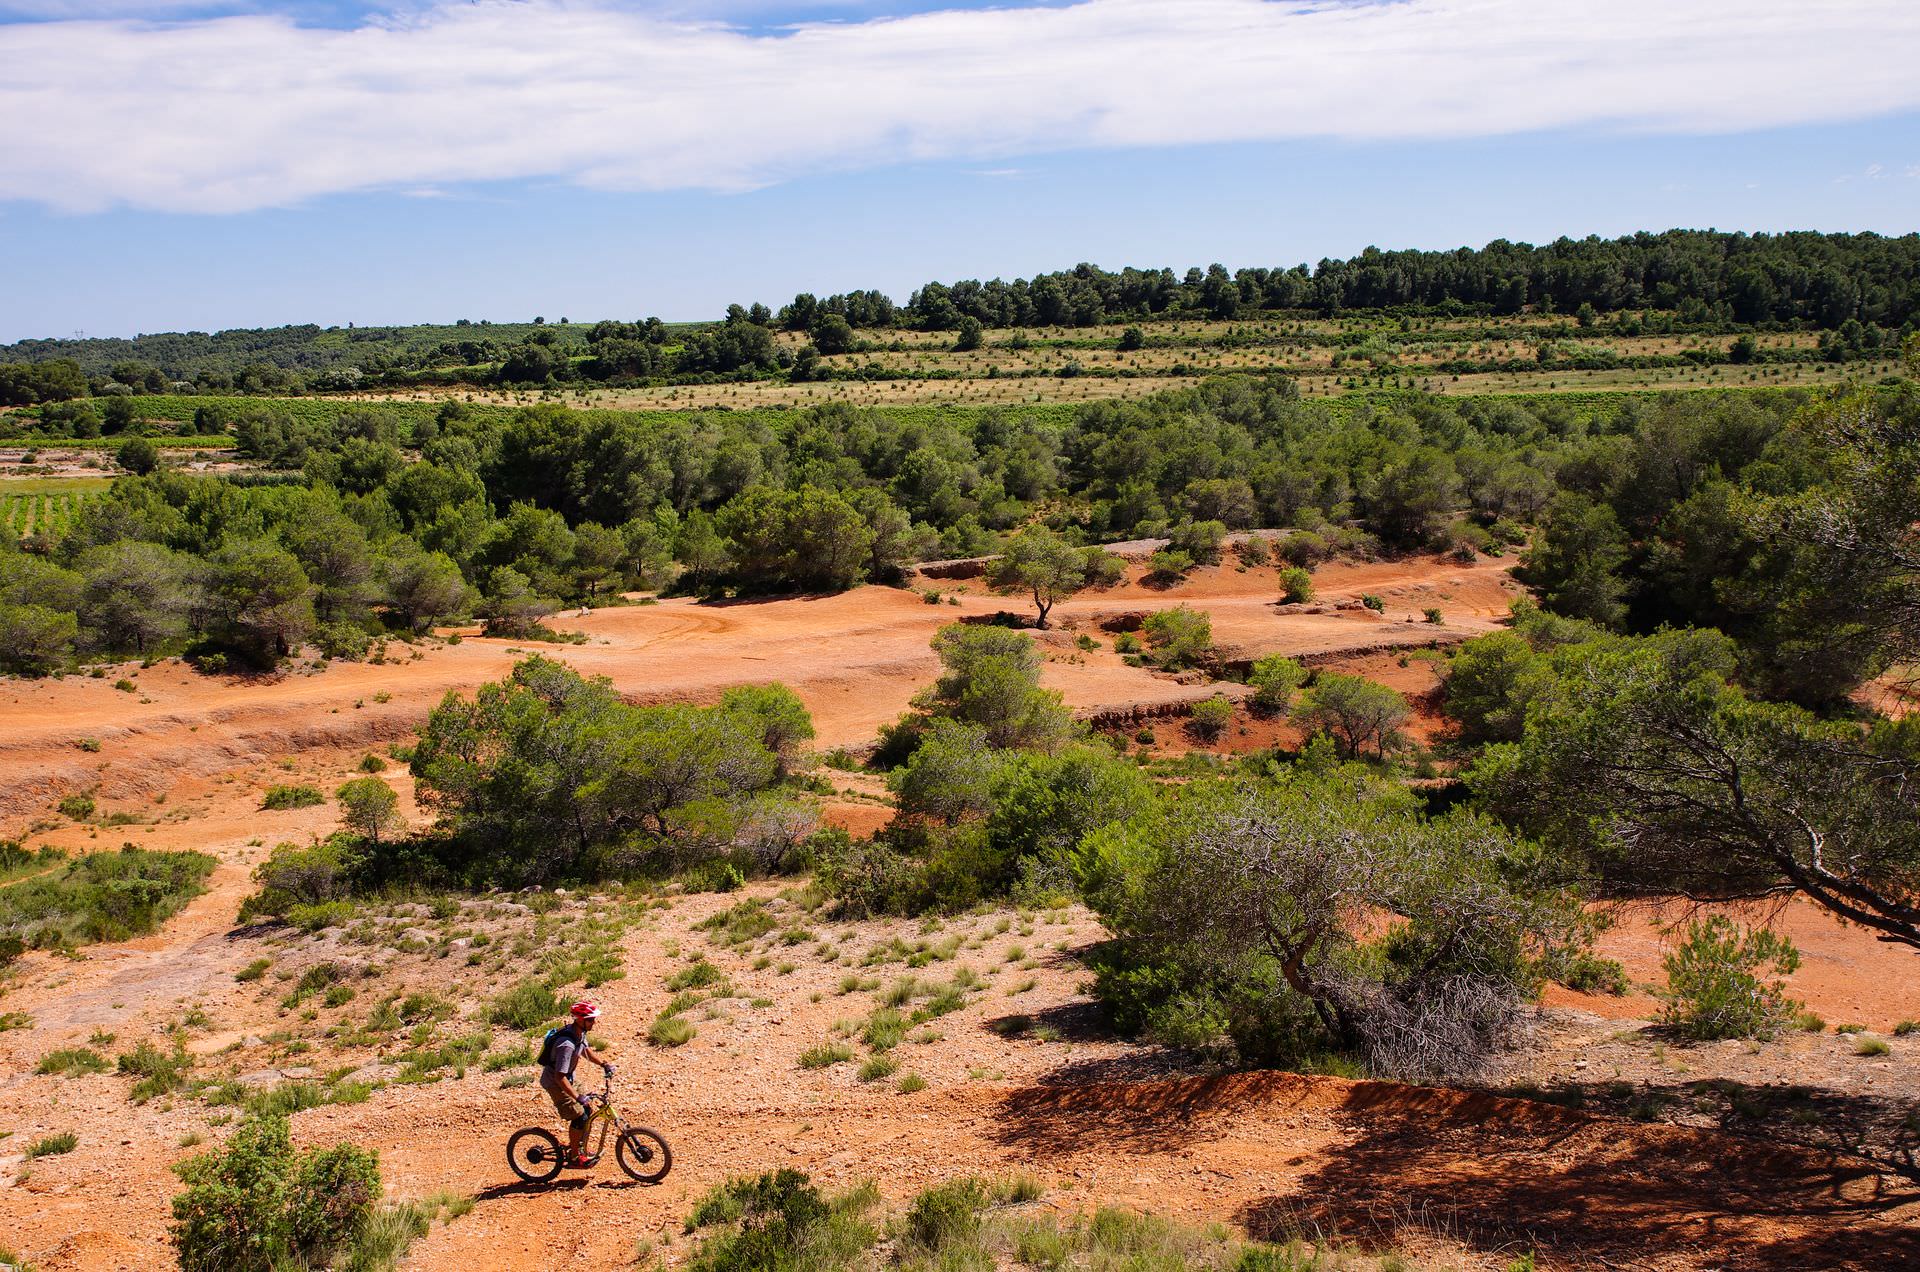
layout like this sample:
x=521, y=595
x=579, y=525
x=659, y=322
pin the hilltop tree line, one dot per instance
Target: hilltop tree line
x=1823, y=279
x=1863, y=283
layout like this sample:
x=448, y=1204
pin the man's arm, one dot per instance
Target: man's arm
x=587, y=1053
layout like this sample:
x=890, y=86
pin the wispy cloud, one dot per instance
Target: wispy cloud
x=235, y=113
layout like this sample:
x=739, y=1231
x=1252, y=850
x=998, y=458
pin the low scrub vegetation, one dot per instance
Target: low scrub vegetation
x=103, y=896
x=781, y=1220
x=257, y=1205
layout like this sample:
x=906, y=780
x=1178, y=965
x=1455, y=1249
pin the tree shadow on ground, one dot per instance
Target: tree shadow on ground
x=1101, y=1102
x=1880, y=1129
x=1493, y=1173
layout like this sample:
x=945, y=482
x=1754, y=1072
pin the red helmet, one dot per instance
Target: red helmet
x=585, y=1011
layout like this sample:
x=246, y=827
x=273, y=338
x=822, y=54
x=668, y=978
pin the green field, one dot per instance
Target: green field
x=45, y=505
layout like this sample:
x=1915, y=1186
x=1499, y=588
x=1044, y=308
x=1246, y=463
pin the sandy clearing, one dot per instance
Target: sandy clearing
x=855, y=658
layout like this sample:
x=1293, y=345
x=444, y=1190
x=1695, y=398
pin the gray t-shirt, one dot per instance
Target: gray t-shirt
x=562, y=1056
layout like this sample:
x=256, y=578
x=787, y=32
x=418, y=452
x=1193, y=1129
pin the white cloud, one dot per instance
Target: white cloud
x=235, y=113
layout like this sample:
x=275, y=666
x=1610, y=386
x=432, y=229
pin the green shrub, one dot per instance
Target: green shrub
x=1586, y=972
x=1374, y=603
x=528, y=1003
x=1871, y=1047
x=948, y=1214
x=255, y=1205
x=696, y=975
x=159, y=1071
x=1274, y=680
x=825, y=1054
x=52, y=1145
x=1168, y=566
x=253, y=971
x=1296, y=586
x=884, y=1029
x=1179, y=637
x=671, y=1031
x=876, y=1068
x=1906, y=1027
x=283, y=797
x=778, y=1222
x=371, y=763
x=73, y=1062
x=333, y=1190
x=911, y=1083
x=1713, y=990
x=77, y=807
x=1434, y=615
x=1210, y=718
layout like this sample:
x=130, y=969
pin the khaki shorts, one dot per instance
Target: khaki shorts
x=569, y=1108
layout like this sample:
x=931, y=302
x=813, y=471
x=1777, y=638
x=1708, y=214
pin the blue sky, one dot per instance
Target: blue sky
x=245, y=165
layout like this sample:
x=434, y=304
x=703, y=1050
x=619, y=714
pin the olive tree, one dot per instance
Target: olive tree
x=1038, y=561
x=1241, y=909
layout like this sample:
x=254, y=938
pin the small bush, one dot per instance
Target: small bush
x=73, y=1062
x=825, y=1054
x=947, y=1215
x=253, y=971
x=1168, y=566
x=1871, y=1047
x=1906, y=1027
x=159, y=1072
x=1210, y=718
x=778, y=1222
x=1374, y=603
x=911, y=1083
x=278, y=798
x=876, y=1068
x=371, y=763
x=671, y=1031
x=285, y=1099
x=884, y=1029
x=1274, y=680
x=1587, y=973
x=696, y=975
x=76, y=807
x=1712, y=987
x=528, y=1003
x=1179, y=637
x=1296, y=586
x=1434, y=615
x=255, y=1205
x=52, y=1145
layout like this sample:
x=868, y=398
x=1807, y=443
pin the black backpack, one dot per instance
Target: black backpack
x=546, y=1045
